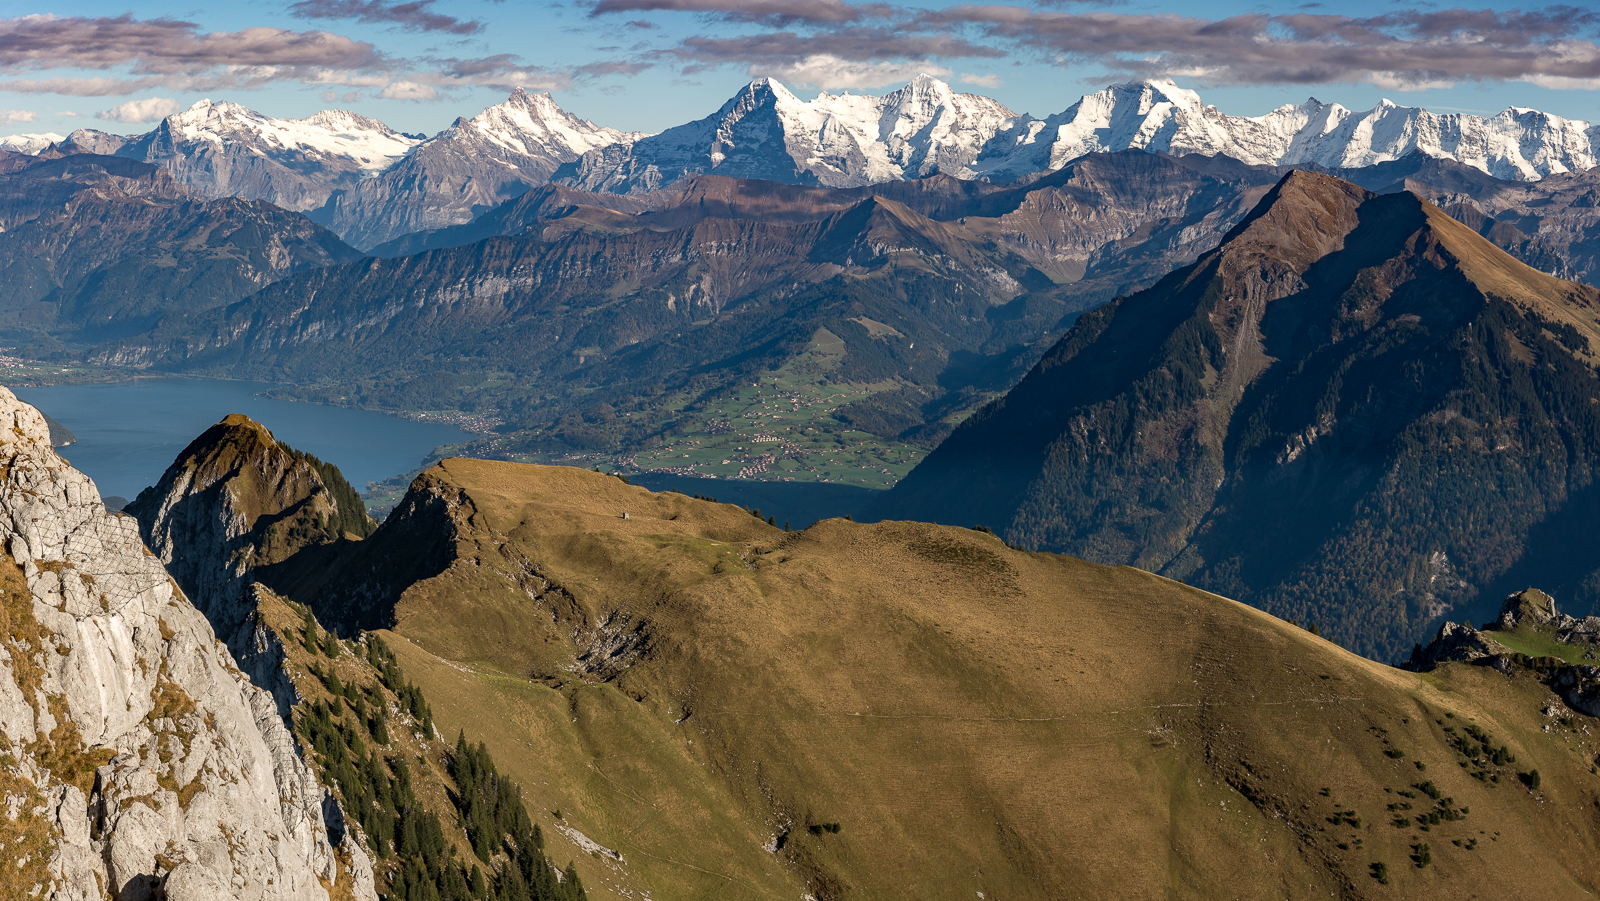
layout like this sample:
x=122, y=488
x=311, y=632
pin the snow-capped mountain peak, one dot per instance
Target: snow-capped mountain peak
x=226, y=149
x=473, y=165
x=30, y=144
x=528, y=124
x=766, y=131
x=372, y=145
x=1159, y=116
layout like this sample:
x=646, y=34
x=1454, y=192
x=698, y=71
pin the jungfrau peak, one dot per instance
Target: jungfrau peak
x=918, y=130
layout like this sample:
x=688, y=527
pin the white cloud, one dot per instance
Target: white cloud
x=831, y=73
x=17, y=116
x=982, y=81
x=330, y=96
x=1559, y=83
x=352, y=96
x=149, y=109
x=1408, y=81
x=408, y=90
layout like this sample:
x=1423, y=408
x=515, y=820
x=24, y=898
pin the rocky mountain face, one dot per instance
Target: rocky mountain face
x=766, y=132
x=227, y=150
x=94, y=246
x=1518, y=144
x=91, y=140
x=141, y=762
x=1528, y=634
x=234, y=501
x=472, y=166
x=1302, y=419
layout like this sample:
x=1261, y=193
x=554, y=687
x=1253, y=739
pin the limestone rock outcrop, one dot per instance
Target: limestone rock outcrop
x=156, y=766
x=234, y=500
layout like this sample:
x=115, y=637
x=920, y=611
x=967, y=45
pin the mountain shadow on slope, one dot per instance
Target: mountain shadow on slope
x=1355, y=412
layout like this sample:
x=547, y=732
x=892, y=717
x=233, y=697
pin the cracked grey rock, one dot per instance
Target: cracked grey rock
x=205, y=775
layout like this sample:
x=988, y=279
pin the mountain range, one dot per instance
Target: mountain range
x=758, y=329
x=371, y=184
x=935, y=294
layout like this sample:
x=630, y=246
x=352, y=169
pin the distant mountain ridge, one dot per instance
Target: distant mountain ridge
x=372, y=185
x=227, y=150
x=1518, y=144
x=95, y=246
x=470, y=167
x=840, y=141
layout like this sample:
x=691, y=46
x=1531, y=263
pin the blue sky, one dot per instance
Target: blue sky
x=649, y=64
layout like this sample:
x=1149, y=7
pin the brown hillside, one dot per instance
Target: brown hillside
x=707, y=696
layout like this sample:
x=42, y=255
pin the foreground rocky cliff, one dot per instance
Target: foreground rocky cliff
x=239, y=513
x=140, y=762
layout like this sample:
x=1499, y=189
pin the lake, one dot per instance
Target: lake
x=130, y=432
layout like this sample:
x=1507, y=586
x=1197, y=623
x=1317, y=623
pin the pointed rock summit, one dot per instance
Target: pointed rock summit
x=237, y=500
x=472, y=166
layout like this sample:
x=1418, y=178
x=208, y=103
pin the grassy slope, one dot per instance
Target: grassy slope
x=975, y=719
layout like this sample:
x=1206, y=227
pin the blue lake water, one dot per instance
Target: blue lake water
x=130, y=432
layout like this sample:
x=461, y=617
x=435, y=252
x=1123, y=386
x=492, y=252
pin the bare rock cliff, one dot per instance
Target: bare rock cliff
x=140, y=762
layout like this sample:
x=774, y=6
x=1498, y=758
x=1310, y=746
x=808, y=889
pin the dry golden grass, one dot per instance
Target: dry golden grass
x=975, y=719
x=1496, y=272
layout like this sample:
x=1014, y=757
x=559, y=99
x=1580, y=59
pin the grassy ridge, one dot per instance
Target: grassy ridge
x=715, y=707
